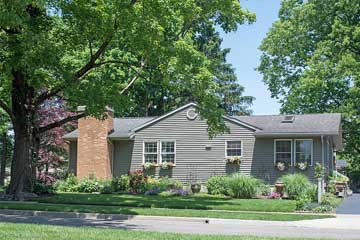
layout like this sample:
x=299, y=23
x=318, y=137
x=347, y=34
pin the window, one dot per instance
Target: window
x=283, y=150
x=168, y=151
x=303, y=151
x=150, y=152
x=233, y=148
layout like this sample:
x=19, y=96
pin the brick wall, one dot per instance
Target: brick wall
x=94, y=151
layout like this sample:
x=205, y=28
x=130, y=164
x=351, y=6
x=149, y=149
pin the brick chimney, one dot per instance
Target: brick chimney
x=94, y=151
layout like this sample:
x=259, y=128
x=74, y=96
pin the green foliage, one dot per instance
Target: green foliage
x=137, y=181
x=303, y=201
x=120, y=184
x=87, y=185
x=166, y=183
x=311, y=62
x=67, y=185
x=319, y=170
x=330, y=200
x=297, y=185
x=217, y=185
x=241, y=186
x=42, y=188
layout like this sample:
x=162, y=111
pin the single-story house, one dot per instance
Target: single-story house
x=266, y=146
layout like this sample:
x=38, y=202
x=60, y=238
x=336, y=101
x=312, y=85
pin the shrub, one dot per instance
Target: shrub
x=120, y=184
x=154, y=191
x=105, y=187
x=217, y=185
x=241, y=186
x=166, y=183
x=297, y=185
x=137, y=181
x=87, y=185
x=302, y=201
x=43, y=188
x=67, y=185
x=329, y=199
x=264, y=190
x=174, y=192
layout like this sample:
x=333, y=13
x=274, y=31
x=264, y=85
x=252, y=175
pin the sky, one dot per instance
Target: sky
x=245, y=56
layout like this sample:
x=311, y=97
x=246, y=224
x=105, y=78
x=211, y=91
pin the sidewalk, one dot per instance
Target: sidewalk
x=342, y=227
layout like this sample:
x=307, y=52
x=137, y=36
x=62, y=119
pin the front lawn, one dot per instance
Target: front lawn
x=16, y=231
x=158, y=211
x=201, y=201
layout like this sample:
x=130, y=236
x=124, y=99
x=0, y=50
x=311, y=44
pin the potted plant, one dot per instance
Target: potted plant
x=279, y=187
x=233, y=160
x=281, y=166
x=166, y=165
x=195, y=187
x=149, y=165
x=302, y=166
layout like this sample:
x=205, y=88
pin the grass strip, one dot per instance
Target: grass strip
x=158, y=211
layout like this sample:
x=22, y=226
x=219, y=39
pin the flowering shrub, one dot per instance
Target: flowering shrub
x=281, y=166
x=274, y=195
x=233, y=160
x=174, y=192
x=149, y=165
x=302, y=166
x=154, y=191
x=137, y=181
x=167, y=165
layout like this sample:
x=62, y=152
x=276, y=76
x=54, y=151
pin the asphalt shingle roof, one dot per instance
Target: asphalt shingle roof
x=315, y=124
x=325, y=123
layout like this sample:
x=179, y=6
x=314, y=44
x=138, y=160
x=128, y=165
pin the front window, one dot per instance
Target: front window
x=168, y=152
x=303, y=151
x=151, y=152
x=283, y=151
x=233, y=149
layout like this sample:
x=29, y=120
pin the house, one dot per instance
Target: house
x=267, y=146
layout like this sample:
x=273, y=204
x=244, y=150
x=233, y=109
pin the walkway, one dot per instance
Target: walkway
x=350, y=205
x=342, y=227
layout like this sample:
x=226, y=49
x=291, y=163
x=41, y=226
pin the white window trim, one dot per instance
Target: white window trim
x=157, y=150
x=160, y=152
x=234, y=140
x=291, y=152
x=312, y=150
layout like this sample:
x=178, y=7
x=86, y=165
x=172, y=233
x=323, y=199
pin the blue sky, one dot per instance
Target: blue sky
x=245, y=55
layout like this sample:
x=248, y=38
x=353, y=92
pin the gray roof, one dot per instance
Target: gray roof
x=264, y=125
x=122, y=127
x=314, y=124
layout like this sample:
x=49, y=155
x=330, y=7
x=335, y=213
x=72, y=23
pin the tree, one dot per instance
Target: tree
x=311, y=62
x=92, y=52
x=153, y=98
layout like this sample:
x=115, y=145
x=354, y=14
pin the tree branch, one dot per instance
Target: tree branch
x=60, y=122
x=6, y=109
x=138, y=73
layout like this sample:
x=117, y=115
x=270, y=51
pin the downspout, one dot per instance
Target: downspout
x=322, y=163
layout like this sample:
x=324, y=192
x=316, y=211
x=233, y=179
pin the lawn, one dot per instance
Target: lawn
x=16, y=231
x=158, y=211
x=201, y=201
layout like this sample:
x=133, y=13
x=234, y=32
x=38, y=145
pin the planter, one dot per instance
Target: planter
x=233, y=160
x=279, y=187
x=281, y=166
x=195, y=188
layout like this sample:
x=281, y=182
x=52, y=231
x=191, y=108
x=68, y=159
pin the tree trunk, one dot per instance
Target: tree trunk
x=3, y=159
x=23, y=123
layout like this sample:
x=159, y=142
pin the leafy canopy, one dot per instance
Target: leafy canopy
x=311, y=62
x=91, y=52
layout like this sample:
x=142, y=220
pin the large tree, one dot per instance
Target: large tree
x=92, y=52
x=311, y=62
x=153, y=97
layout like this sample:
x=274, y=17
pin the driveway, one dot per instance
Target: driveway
x=350, y=205
x=342, y=227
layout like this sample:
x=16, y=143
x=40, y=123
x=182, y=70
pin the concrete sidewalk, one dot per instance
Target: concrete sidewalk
x=342, y=227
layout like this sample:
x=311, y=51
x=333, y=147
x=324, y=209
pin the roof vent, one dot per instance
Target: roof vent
x=288, y=119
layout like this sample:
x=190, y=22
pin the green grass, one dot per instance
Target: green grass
x=16, y=231
x=203, y=202
x=158, y=211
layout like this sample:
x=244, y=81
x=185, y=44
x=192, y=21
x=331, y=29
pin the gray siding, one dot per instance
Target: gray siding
x=196, y=163
x=122, y=157
x=73, y=156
